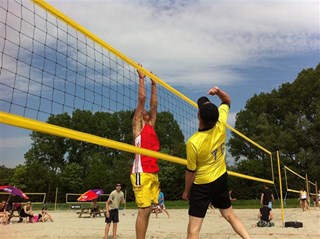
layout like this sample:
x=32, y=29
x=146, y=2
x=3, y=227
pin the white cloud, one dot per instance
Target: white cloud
x=204, y=40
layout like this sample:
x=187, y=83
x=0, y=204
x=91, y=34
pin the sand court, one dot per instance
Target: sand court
x=68, y=225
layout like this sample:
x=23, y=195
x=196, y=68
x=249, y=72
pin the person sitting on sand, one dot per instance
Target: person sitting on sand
x=26, y=211
x=265, y=215
x=44, y=215
x=4, y=215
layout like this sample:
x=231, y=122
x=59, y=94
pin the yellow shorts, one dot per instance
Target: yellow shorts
x=146, y=188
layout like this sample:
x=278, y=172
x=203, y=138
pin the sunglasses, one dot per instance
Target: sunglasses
x=118, y=185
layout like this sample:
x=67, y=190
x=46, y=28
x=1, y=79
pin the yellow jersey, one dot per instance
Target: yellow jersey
x=206, y=150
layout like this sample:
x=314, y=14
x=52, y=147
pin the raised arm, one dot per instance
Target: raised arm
x=137, y=118
x=224, y=97
x=153, y=103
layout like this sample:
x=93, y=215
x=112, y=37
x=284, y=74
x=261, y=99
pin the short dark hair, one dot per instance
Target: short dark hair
x=208, y=111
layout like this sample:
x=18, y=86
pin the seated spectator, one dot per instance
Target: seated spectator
x=26, y=211
x=265, y=215
x=4, y=215
x=95, y=208
x=44, y=215
x=161, y=207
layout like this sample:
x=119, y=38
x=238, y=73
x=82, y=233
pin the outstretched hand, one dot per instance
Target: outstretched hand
x=141, y=74
x=152, y=81
x=213, y=91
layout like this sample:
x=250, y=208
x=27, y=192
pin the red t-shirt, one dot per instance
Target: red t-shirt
x=147, y=139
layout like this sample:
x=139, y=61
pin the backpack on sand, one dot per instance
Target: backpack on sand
x=294, y=224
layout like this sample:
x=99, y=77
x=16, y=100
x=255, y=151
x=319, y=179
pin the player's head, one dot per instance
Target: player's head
x=145, y=116
x=118, y=186
x=208, y=112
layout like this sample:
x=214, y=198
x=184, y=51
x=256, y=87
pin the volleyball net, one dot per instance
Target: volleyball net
x=295, y=183
x=51, y=65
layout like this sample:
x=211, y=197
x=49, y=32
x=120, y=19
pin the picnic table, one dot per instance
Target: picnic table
x=90, y=211
x=14, y=211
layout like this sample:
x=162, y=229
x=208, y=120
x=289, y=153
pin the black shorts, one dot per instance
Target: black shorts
x=113, y=216
x=215, y=192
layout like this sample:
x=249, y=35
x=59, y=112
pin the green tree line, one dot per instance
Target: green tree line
x=287, y=119
x=75, y=166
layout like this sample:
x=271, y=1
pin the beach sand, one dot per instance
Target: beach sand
x=68, y=225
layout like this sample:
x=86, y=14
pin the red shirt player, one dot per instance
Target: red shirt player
x=144, y=177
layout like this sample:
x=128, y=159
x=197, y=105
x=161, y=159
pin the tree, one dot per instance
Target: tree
x=20, y=177
x=171, y=175
x=5, y=175
x=70, y=179
x=288, y=120
x=76, y=166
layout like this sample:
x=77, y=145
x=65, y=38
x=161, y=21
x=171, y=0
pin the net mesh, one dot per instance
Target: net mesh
x=48, y=67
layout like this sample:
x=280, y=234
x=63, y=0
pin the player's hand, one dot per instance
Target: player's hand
x=213, y=91
x=141, y=74
x=185, y=196
x=152, y=81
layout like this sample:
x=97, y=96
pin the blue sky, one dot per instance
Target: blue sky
x=244, y=47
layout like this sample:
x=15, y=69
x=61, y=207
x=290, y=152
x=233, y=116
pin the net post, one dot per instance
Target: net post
x=280, y=185
x=308, y=190
x=55, y=201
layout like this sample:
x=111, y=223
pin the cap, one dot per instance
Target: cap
x=208, y=111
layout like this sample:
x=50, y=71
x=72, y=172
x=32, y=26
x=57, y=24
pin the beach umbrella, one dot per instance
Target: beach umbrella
x=12, y=190
x=90, y=195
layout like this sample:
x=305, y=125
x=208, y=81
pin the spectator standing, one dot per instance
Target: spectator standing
x=267, y=195
x=116, y=197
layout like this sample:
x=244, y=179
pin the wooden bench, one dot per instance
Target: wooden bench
x=87, y=210
x=14, y=213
